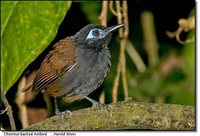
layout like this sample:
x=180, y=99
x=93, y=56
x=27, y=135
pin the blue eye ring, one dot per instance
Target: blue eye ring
x=95, y=34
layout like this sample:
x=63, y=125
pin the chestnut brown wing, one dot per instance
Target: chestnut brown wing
x=55, y=64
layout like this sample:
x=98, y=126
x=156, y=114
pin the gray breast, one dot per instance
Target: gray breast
x=88, y=74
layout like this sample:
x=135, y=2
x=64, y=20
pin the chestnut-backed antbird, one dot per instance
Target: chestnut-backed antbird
x=77, y=65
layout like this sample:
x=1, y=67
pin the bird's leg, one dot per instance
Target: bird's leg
x=95, y=103
x=57, y=111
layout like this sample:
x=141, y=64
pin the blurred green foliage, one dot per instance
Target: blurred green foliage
x=176, y=86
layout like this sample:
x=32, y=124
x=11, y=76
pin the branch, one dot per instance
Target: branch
x=19, y=100
x=122, y=116
x=103, y=19
x=123, y=44
x=116, y=82
x=103, y=16
x=135, y=57
x=185, y=25
x=112, y=9
x=150, y=40
x=122, y=18
x=9, y=111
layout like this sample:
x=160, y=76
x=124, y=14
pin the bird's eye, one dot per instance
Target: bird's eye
x=95, y=34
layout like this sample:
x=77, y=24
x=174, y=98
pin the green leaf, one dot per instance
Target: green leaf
x=27, y=28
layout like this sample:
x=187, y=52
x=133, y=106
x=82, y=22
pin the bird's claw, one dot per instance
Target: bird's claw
x=62, y=113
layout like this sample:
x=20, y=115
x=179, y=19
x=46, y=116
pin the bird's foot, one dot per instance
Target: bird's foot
x=96, y=104
x=58, y=112
x=61, y=113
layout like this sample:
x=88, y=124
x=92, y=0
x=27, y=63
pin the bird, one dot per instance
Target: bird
x=77, y=65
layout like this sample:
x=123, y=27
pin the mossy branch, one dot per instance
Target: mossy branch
x=122, y=116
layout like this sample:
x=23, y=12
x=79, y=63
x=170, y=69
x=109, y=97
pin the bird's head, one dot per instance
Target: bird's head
x=95, y=36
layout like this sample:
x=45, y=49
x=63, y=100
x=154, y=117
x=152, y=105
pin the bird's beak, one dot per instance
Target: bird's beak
x=112, y=28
